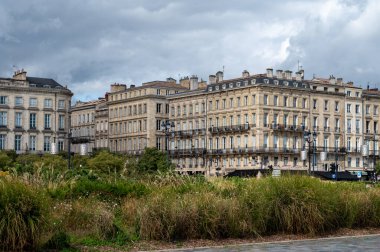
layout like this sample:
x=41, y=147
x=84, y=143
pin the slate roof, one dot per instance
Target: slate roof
x=43, y=82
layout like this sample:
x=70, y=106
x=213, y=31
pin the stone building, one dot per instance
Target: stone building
x=101, y=122
x=84, y=123
x=136, y=114
x=257, y=121
x=34, y=114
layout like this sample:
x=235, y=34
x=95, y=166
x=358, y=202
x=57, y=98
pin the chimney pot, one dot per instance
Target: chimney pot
x=270, y=72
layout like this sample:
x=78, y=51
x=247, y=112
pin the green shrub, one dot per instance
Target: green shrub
x=106, y=162
x=22, y=215
x=5, y=161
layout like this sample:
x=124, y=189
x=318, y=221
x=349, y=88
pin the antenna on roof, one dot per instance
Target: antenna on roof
x=298, y=65
x=223, y=70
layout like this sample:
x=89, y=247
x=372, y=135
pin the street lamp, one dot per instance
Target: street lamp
x=69, y=137
x=310, y=138
x=167, y=127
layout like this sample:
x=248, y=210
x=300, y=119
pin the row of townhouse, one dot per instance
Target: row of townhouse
x=249, y=122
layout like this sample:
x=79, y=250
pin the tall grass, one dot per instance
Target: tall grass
x=248, y=207
x=22, y=215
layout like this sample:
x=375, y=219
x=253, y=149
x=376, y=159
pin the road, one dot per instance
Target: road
x=356, y=243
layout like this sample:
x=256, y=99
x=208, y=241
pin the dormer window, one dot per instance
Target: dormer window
x=286, y=83
x=32, y=85
x=224, y=86
x=46, y=86
x=266, y=81
x=216, y=88
x=245, y=83
x=231, y=85
x=275, y=82
x=238, y=84
x=253, y=81
x=210, y=89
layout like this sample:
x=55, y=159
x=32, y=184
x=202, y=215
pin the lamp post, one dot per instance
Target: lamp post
x=69, y=137
x=166, y=128
x=374, y=155
x=307, y=137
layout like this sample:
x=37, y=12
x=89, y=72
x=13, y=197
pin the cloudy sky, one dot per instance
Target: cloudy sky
x=90, y=44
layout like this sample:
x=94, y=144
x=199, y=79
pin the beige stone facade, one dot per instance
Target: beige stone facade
x=136, y=113
x=85, y=119
x=34, y=114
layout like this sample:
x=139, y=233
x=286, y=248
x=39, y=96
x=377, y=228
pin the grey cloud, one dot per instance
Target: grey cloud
x=90, y=44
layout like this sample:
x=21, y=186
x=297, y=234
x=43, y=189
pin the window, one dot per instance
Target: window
x=217, y=104
x=357, y=126
x=61, y=104
x=285, y=101
x=46, y=143
x=167, y=108
x=304, y=103
x=18, y=119
x=2, y=141
x=349, y=161
x=348, y=93
x=275, y=100
x=367, y=109
x=32, y=120
x=357, y=94
x=357, y=109
x=32, y=143
x=376, y=110
x=336, y=106
x=3, y=100
x=265, y=119
x=47, y=123
x=3, y=119
x=48, y=103
x=253, y=99
x=348, y=108
x=158, y=91
x=17, y=142
x=294, y=102
x=357, y=162
x=158, y=143
x=245, y=100
x=349, y=125
x=265, y=99
x=158, y=125
x=60, y=145
x=349, y=144
x=314, y=103
x=19, y=101
x=238, y=101
x=61, y=122
x=33, y=102
x=285, y=120
x=158, y=108
x=210, y=105
x=326, y=105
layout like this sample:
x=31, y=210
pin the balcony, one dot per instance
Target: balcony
x=230, y=129
x=287, y=128
x=326, y=129
x=337, y=130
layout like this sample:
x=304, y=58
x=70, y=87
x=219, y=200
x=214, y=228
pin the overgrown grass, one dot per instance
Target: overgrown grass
x=95, y=210
x=22, y=215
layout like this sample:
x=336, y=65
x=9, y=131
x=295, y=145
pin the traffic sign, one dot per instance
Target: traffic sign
x=359, y=174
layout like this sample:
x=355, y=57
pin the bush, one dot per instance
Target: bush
x=5, y=161
x=153, y=160
x=106, y=162
x=22, y=215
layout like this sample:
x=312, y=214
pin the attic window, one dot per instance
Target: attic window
x=286, y=83
x=238, y=84
x=245, y=83
x=275, y=82
x=253, y=81
x=46, y=86
x=231, y=85
x=266, y=81
x=224, y=86
x=325, y=89
x=210, y=89
x=32, y=85
x=314, y=87
x=216, y=88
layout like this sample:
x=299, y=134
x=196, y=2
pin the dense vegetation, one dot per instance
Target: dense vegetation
x=109, y=199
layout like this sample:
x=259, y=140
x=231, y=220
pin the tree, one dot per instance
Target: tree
x=154, y=160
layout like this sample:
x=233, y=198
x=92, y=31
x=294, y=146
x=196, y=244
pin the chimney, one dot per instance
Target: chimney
x=269, y=72
x=116, y=87
x=350, y=83
x=298, y=76
x=339, y=81
x=194, y=82
x=288, y=74
x=245, y=74
x=332, y=80
x=279, y=74
x=185, y=82
x=302, y=72
x=219, y=76
x=212, y=79
x=20, y=75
